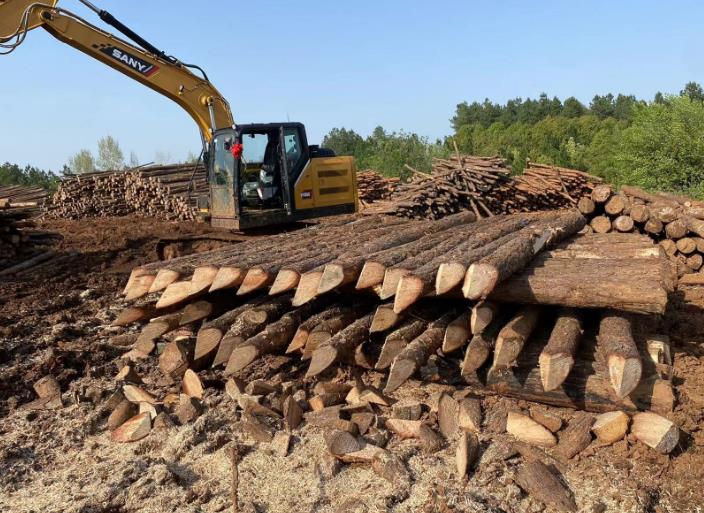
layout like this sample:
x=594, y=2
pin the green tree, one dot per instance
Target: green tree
x=694, y=91
x=663, y=148
x=12, y=174
x=82, y=162
x=110, y=157
x=344, y=142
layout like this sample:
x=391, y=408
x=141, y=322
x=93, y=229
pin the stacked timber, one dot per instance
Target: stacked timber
x=675, y=222
x=484, y=186
x=20, y=245
x=372, y=186
x=545, y=187
x=455, y=184
x=23, y=196
x=436, y=299
x=163, y=192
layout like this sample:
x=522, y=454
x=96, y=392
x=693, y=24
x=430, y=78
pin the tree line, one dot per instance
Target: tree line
x=657, y=144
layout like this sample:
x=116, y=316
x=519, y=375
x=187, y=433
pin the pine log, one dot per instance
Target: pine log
x=346, y=268
x=653, y=226
x=575, y=438
x=457, y=333
x=483, y=276
x=211, y=333
x=374, y=268
x=385, y=318
x=340, y=346
x=513, y=336
x=397, y=340
x=415, y=354
x=591, y=277
x=686, y=245
x=447, y=270
x=640, y=213
x=623, y=224
x=298, y=342
x=483, y=232
x=539, y=482
x=482, y=315
x=619, y=348
x=557, y=358
x=273, y=339
x=676, y=229
x=482, y=344
x=586, y=206
x=617, y=205
x=601, y=193
x=601, y=224
x=695, y=261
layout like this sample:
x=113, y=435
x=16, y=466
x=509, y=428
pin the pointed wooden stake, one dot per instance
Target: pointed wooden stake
x=227, y=278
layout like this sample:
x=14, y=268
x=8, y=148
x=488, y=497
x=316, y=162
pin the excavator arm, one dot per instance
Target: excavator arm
x=144, y=63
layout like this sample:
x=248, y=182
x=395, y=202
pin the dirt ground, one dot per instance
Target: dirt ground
x=57, y=321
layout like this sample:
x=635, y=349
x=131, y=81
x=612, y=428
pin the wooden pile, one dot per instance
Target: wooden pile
x=484, y=186
x=371, y=186
x=456, y=184
x=163, y=192
x=19, y=241
x=544, y=187
x=676, y=223
x=23, y=196
x=296, y=293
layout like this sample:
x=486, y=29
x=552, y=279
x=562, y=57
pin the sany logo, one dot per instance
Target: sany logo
x=133, y=62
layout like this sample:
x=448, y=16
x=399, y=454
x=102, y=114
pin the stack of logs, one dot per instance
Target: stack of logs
x=676, y=222
x=291, y=294
x=18, y=241
x=23, y=196
x=483, y=186
x=163, y=192
x=372, y=186
x=543, y=187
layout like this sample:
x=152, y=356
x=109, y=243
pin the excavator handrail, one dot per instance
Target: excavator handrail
x=167, y=76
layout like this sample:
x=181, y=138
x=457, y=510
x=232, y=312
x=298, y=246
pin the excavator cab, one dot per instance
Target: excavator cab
x=266, y=174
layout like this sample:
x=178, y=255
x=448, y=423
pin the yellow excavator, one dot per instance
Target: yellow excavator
x=259, y=174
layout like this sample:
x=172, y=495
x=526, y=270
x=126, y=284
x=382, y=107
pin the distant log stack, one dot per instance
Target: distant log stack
x=484, y=186
x=30, y=198
x=163, y=192
x=372, y=186
x=20, y=245
x=675, y=222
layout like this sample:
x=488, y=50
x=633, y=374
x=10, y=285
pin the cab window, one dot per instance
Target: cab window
x=292, y=146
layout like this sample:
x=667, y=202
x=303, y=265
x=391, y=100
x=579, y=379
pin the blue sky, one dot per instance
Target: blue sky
x=357, y=64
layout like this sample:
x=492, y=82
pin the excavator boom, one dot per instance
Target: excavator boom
x=165, y=75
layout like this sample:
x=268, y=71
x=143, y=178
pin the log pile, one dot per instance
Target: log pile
x=675, y=222
x=372, y=186
x=163, y=192
x=23, y=196
x=296, y=294
x=19, y=241
x=484, y=186
x=544, y=187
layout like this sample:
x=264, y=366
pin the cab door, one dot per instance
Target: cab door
x=223, y=177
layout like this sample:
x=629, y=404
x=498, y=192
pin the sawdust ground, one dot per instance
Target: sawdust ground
x=64, y=460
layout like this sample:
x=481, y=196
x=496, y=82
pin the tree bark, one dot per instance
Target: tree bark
x=557, y=358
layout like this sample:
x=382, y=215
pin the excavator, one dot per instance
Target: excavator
x=260, y=174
